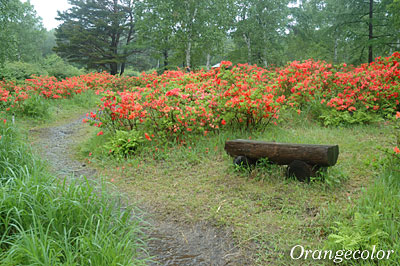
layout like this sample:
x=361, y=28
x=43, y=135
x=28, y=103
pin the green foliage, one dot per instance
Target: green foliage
x=21, y=32
x=124, y=143
x=202, y=30
x=49, y=66
x=21, y=70
x=47, y=222
x=259, y=26
x=333, y=117
x=87, y=99
x=58, y=68
x=97, y=33
x=35, y=106
x=374, y=219
x=49, y=43
x=131, y=72
x=330, y=176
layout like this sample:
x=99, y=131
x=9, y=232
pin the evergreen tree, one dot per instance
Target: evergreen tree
x=97, y=33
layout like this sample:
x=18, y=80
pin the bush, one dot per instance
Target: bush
x=21, y=70
x=131, y=72
x=52, y=65
x=35, y=106
x=335, y=118
x=124, y=143
x=58, y=68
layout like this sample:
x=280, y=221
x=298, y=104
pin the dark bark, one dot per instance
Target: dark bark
x=113, y=68
x=165, y=54
x=284, y=153
x=300, y=170
x=370, y=32
x=122, y=70
x=129, y=37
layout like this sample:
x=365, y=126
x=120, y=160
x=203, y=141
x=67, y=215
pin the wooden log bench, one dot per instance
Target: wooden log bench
x=303, y=160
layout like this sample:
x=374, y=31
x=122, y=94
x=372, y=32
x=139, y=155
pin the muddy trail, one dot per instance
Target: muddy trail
x=170, y=242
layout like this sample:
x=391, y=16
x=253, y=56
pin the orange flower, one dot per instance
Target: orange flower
x=147, y=136
x=397, y=115
x=396, y=150
x=100, y=133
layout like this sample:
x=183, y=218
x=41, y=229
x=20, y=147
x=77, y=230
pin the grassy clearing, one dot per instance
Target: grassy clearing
x=41, y=112
x=45, y=222
x=268, y=213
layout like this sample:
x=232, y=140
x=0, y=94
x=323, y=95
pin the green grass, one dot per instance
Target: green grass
x=40, y=112
x=374, y=219
x=269, y=214
x=44, y=221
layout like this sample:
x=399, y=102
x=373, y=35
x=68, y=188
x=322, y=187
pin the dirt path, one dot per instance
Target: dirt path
x=171, y=243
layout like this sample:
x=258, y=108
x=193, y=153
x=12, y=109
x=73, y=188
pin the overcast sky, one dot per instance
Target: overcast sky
x=47, y=10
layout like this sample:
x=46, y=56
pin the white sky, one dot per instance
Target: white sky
x=47, y=10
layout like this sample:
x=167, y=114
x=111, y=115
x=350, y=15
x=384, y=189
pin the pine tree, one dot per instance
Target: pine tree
x=97, y=33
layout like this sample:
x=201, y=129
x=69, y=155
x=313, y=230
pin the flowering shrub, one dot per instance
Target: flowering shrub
x=176, y=106
x=368, y=88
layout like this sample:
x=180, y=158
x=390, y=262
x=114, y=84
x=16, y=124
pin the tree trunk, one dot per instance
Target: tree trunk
x=265, y=61
x=113, y=68
x=370, y=34
x=188, y=51
x=165, y=53
x=189, y=37
x=248, y=42
x=129, y=37
x=208, y=61
x=335, y=60
x=284, y=153
x=122, y=70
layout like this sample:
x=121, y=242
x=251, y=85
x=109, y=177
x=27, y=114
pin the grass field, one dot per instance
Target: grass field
x=268, y=213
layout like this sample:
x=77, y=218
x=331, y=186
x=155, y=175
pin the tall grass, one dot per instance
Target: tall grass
x=375, y=220
x=46, y=222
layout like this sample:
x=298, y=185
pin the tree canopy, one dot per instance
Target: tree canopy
x=110, y=35
x=97, y=33
x=21, y=32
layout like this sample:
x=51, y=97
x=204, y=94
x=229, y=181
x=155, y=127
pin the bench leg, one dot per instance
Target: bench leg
x=243, y=161
x=302, y=171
